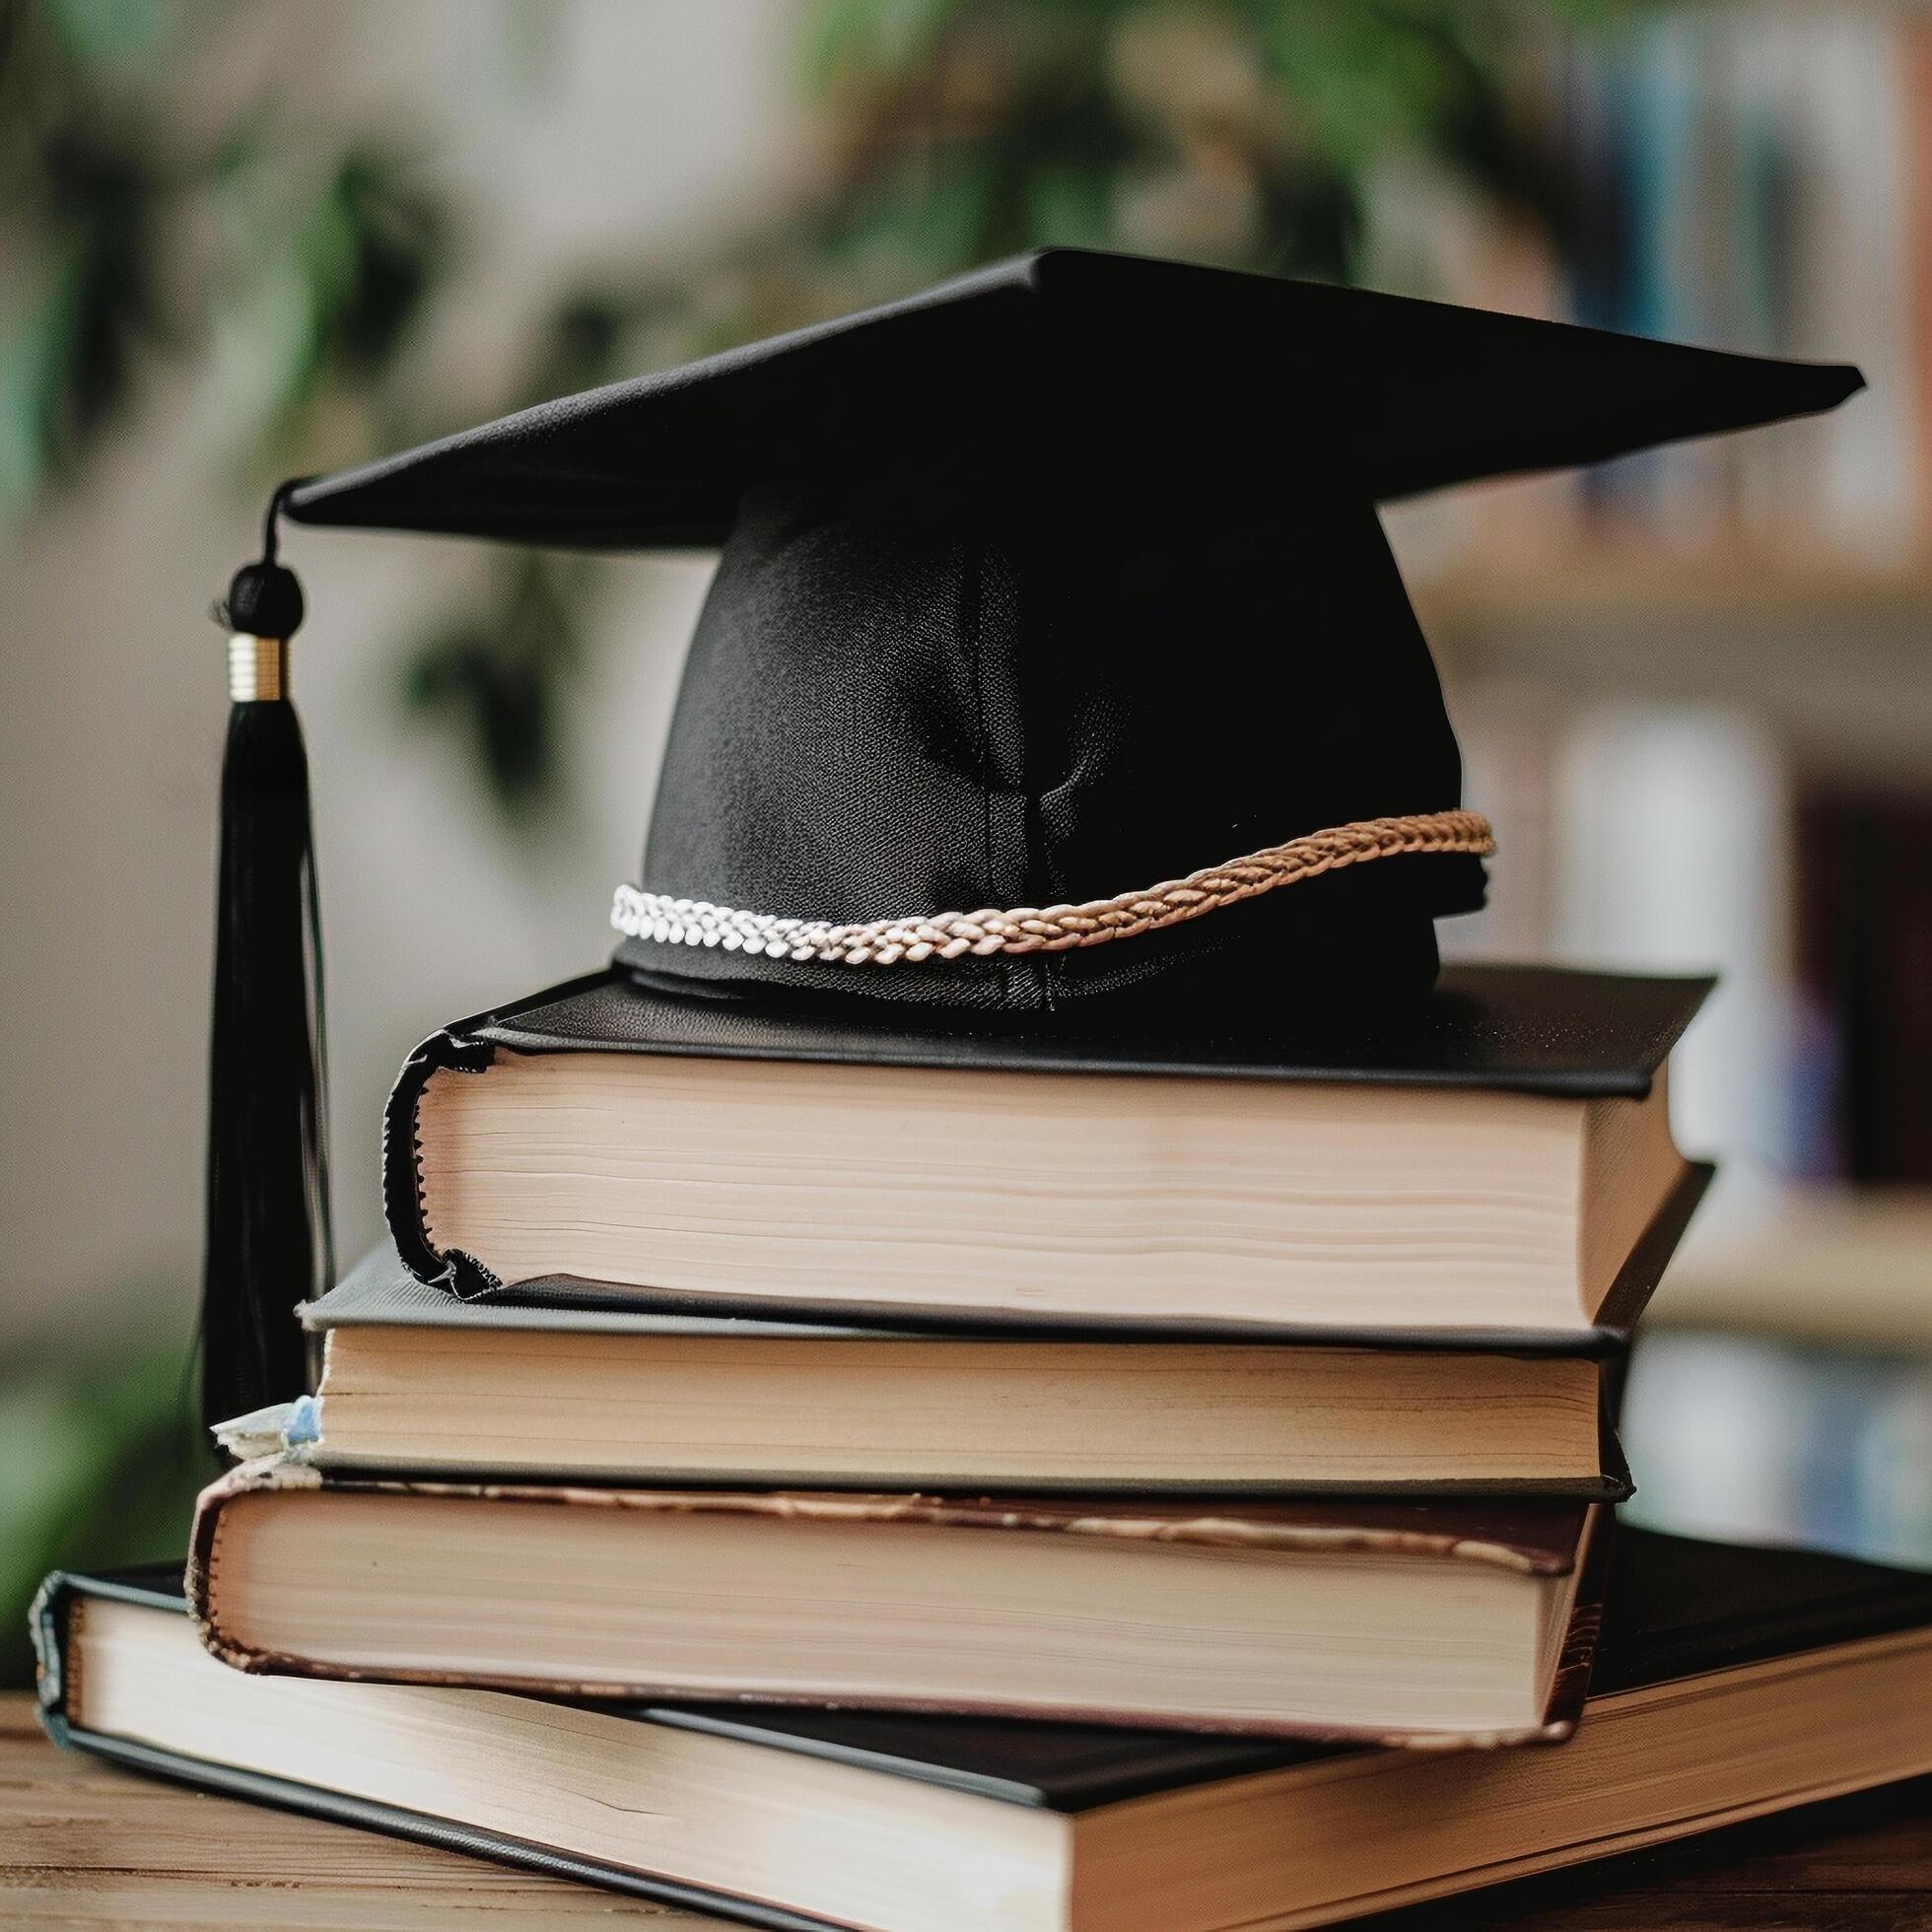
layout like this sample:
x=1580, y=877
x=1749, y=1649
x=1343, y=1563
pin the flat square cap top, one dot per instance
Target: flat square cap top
x=1076, y=359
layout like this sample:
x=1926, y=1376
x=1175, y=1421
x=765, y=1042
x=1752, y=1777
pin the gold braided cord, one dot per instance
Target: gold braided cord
x=1048, y=929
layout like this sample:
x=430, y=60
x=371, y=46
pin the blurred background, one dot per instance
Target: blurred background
x=245, y=238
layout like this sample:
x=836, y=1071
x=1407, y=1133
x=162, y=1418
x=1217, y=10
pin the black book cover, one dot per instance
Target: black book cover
x=1523, y=1029
x=1676, y=1609
x=381, y=1292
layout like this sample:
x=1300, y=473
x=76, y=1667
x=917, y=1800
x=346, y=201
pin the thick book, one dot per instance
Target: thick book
x=1438, y=1622
x=1731, y=1683
x=1491, y=1167
x=415, y=1380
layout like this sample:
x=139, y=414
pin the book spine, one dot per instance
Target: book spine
x=47, y=1623
x=201, y=1581
x=1571, y=1684
x=402, y=1166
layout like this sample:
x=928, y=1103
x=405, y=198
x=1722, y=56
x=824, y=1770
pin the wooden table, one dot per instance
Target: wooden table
x=82, y=1843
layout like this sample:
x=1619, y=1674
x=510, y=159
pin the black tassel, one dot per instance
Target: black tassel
x=268, y=1239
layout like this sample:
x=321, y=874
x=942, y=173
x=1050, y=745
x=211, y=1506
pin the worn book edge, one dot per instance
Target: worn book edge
x=1587, y=1547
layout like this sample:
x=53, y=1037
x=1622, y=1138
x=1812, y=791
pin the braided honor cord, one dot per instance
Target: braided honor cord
x=1049, y=928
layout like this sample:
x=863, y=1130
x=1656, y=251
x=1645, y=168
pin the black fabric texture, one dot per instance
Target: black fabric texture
x=1429, y=395
x=266, y=1205
x=1057, y=582
x=989, y=715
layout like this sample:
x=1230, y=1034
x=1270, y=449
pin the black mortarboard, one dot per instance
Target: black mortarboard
x=1059, y=586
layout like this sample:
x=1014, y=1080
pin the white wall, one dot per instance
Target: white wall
x=615, y=132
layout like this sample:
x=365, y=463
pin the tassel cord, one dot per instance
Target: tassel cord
x=268, y=1234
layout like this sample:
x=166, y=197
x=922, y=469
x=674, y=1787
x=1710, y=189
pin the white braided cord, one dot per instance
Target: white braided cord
x=641, y=914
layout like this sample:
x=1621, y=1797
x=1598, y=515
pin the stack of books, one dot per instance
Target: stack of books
x=902, y=1495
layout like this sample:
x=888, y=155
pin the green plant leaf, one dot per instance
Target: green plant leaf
x=846, y=39
x=113, y=32
x=101, y=1469
x=495, y=680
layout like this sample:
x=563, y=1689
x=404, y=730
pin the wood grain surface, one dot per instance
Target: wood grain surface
x=86, y=1844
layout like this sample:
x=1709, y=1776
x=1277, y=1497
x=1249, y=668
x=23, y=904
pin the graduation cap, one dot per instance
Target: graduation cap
x=1056, y=671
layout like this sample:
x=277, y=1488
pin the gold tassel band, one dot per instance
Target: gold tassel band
x=257, y=670
x=641, y=914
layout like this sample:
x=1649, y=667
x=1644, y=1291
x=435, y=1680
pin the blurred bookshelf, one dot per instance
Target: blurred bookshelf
x=1823, y=1265
x=1634, y=582
x=1760, y=1438
x=1835, y=654
x=1783, y=1387
x=1694, y=692
x=1755, y=177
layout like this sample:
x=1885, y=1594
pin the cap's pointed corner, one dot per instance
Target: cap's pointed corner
x=1823, y=387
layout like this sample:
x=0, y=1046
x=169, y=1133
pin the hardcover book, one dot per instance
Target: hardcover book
x=1435, y=1622
x=415, y=1380
x=1731, y=1683
x=1490, y=1166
